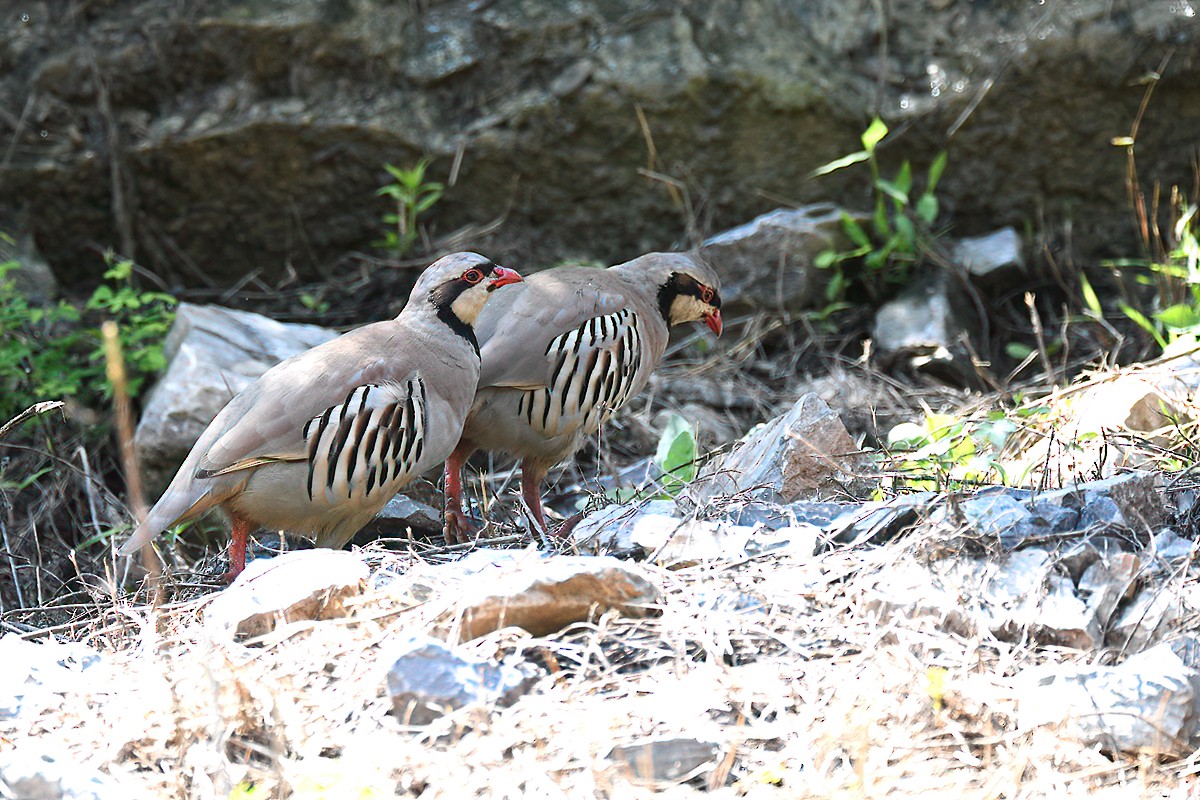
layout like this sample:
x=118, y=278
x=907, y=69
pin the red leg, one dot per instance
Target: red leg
x=240, y=535
x=458, y=527
x=531, y=490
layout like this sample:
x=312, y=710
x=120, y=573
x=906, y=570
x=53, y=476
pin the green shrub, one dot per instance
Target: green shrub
x=54, y=352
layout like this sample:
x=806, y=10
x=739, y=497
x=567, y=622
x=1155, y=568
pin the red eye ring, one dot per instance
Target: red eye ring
x=472, y=276
x=706, y=294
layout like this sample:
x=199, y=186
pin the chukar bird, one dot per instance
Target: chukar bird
x=564, y=350
x=321, y=441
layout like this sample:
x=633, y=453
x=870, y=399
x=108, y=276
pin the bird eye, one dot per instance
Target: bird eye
x=472, y=276
x=706, y=294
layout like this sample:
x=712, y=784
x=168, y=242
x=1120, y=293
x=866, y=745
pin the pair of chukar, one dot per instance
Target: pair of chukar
x=565, y=349
x=323, y=440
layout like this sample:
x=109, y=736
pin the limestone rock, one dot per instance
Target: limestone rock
x=769, y=260
x=664, y=760
x=268, y=144
x=304, y=584
x=1146, y=704
x=545, y=596
x=213, y=353
x=923, y=329
x=1131, y=495
x=989, y=257
x=33, y=771
x=805, y=453
x=428, y=679
x=31, y=673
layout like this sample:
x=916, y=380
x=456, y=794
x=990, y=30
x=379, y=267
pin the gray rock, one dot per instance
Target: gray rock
x=401, y=515
x=428, y=680
x=33, y=279
x=32, y=672
x=805, y=453
x=1146, y=704
x=619, y=528
x=32, y=771
x=923, y=329
x=742, y=101
x=1107, y=583
x=880, y=520
x=665, y=761
x=1147, y=619
x=1169, y=545
x=303, y=584
x=770, y=259
x=773, y=516
x=549, y=594
x=1135, y=501
x=989, y=257
x=1080, y=555
x=1054, y=518
x=1001, y=518
x=213, y=353
x=1018, y=597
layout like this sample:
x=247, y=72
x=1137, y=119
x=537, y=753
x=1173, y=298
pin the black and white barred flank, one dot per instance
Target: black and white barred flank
x=375, y=436
x=595, y=368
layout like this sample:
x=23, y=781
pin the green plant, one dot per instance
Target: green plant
x=889, y=243
x=1175, y=278
x=413, y=196
x=944, y=452
x=676, y=455
x=45, y=353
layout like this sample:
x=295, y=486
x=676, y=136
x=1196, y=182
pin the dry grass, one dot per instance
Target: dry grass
x=807, y=690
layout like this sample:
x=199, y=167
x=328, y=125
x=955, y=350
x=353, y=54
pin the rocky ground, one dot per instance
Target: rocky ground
x=766, y=633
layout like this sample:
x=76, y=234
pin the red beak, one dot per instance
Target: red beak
x=713, y=320
x=503, y=277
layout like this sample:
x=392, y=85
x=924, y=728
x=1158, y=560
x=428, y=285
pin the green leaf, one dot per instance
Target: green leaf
x=905, y=237
x=1089, y=296
x=825, y=259
x=1017, y=351
x=935, y=172
x=893, y=190
x=927, y=208
x=1179, y=316
x=1140, y=318
x=855, y=231
x=874, y=134
x=840, y=163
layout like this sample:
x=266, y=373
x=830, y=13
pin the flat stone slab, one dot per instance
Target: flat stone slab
x=303, y=584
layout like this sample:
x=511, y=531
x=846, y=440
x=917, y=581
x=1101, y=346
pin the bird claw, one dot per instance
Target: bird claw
x=460, y=529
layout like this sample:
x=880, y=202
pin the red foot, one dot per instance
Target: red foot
x=460, y=529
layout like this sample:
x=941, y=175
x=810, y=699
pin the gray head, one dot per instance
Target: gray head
x=688, y=289
x=459, y=284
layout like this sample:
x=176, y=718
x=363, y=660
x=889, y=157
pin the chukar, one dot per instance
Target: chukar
x=321, y=441
x=564, y=350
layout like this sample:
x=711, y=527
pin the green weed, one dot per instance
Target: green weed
x=890, y=242
x=413, y=196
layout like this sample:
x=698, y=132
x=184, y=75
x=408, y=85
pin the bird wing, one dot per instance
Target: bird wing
x=517, y=326
x=269, y=421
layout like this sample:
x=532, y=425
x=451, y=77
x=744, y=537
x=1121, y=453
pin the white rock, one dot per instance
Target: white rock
x=983, y=256
x=302, y=584
x=1147, y=619
x=1146, y=704
x=213, y=353
x=34, y=771
x=32, y=672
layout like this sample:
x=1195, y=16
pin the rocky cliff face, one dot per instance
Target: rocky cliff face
x=215, y=137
